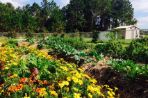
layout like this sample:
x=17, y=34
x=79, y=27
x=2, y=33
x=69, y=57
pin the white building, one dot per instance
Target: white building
x=128, y=32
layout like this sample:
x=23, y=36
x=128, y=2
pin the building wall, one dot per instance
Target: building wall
x=102, y=35
x=128, y=34
x=132, y=33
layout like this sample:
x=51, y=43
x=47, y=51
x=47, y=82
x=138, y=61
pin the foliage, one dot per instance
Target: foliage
x=96, y=55
x=12, y=43
x=74, y=16
x=11, y=35
x=78, y=15
x=37, y=74
x=137, y=50
x=95, y=36
x=40, y=44
x=85, y=15
x=29, y=37
x=111, y=48
x=129, y=68
x=111, y=36
x=74, y=42
x=62, y=47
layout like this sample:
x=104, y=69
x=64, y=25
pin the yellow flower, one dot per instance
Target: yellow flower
x=69, y=65
x=85, y=75
x=80, y=69
x=75, y=79
x=78, y=75
x=89, y=95
x=14, y=76
x=6, y=68
x=94, y=81
x=64, y=83
x=80, y=82
x=64, y=68
x=115, y=88
x=68, y=79
x=77, y=95
x=14, y=63
x=51, y=87
x=26, y=96
x=90, y=88
x=1, y=90
x=53, y=93
x=75, y=89
x=74, y=72
x=110, y=94
x=106, y=86
x=67, y=89
x=49, y=57
x=42, y=91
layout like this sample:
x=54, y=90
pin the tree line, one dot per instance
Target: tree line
x=78, y=15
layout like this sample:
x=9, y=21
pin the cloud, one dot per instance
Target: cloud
x=143, y=22
x=140, y=5
x=21, y=3
x=141, y=12
x=15, y=3
x=62, y=2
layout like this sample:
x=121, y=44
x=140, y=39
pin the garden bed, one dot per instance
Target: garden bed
x=128, y=88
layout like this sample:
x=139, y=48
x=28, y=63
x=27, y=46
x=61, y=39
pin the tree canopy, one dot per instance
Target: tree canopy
x=81, y=15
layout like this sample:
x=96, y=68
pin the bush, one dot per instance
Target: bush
x=29, y=37
x=95, y=36
x=112, y=48
x=12, y=43
x=129, y=68
x=74, y=42
x=137, y=51
x=11, y=34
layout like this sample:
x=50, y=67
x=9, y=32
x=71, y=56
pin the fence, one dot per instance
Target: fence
x=83, y=34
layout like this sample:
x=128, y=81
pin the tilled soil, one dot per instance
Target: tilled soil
x=127, y=88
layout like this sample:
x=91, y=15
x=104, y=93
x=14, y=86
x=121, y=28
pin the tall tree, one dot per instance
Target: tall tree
x=74, y=15
x=94, y=10
x=122, y=13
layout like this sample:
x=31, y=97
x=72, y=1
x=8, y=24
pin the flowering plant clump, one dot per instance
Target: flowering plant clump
x=29, y=72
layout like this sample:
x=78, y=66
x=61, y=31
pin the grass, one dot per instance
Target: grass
x=146, y=36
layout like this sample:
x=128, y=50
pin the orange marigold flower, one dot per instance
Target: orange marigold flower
x=45, y=82
x=41, y=91
x=23, y=80
x=15, y=88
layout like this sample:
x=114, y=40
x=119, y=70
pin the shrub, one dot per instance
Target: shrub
x=29, y=34
x=40, y=44
x=29, y=37
x=113, y=48
x=129, y=68
x=95, y=36
x=12, y=43
x=74, y=42
x=11, y=34
x=137, y=51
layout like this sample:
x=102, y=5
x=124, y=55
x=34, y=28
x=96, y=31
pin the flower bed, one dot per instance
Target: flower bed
x=28, y=72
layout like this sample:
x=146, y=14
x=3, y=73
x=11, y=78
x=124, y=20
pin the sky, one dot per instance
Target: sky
x=140, y=8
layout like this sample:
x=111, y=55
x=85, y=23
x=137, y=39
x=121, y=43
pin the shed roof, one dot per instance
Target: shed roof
x=125, y=27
